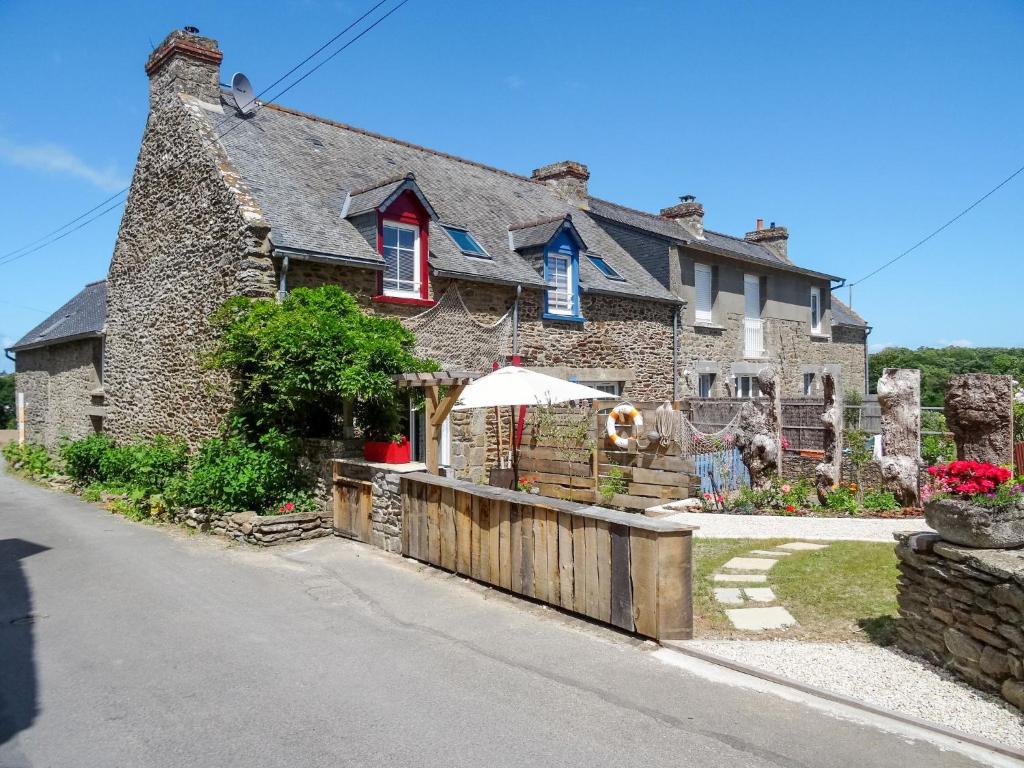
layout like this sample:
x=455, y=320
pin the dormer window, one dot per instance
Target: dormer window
x=559, y=277
x=402, y=263
x=466, y=242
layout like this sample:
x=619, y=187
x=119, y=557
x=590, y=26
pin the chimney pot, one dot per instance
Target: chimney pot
x=774, y=238
x=760, y=224
x=567, y=178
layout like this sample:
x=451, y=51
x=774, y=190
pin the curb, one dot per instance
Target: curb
x=771, y=677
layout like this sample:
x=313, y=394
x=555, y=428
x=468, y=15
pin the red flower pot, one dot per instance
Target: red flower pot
x=388, y=453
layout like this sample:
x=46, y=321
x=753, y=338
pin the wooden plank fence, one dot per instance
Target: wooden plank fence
x=623, y=569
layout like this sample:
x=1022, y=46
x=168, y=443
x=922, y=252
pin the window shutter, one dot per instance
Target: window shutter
x=702, y=280
x=752, y=296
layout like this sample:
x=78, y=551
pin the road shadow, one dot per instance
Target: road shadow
x=19, y=696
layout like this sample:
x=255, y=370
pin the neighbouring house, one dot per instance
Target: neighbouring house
x=484, y=265
x=59, y=369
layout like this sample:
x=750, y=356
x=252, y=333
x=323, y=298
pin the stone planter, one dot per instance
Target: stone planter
x=960, y=522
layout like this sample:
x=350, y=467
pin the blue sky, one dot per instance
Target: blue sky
x=859, y=126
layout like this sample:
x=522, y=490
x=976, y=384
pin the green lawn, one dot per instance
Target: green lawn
x=846, y=591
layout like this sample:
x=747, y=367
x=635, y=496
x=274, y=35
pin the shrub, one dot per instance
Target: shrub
x=1018, y=421
x=148, y=465
x=612, y=484
x=232, y=474
x=936, y=449
x=843, y=498
x=82, y=457
x=295, y=501
x=880, y=501
x=30, y=459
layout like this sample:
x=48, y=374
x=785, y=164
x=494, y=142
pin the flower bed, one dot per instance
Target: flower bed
x=797, y=499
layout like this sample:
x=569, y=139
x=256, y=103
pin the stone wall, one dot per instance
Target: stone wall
x=261, y=530
x=316, y=465
x=963, y=609
x=190, y=238
x=386, y=500
x=58, y=381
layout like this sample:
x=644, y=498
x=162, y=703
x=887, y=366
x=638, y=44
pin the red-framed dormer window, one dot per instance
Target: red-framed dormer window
x=402, y=241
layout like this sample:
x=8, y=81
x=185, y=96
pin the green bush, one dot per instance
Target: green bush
x=1018, y=421
x=880, y=501
x=148, y=465
x=233, y=474
x=843, y=498
x=30, y=459
x=82, y=458
x=293, y=502
x=612, y=484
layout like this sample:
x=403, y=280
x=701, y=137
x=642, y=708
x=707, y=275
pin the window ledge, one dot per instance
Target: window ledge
x=408, y=301
x=564, y=318
x=820, y=337
x=708, y=326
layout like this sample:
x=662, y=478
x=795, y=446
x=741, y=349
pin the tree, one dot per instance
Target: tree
x=8, y=417
x=937, y=365
x=294, y=364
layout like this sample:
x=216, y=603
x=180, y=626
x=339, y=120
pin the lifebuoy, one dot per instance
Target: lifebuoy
x=618, y=415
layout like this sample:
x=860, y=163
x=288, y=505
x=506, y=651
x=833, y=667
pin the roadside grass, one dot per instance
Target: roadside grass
x=846, y=591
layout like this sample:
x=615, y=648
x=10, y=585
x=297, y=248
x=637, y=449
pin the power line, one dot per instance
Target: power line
x=28, y=248
x=959, y=216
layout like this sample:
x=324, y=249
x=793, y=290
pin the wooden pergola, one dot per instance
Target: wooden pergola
x=437, y=407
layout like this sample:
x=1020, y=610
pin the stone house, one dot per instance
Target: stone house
x=484, y=265
x=59, y=369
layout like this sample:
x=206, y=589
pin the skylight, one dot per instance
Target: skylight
x=605, y=268
x=466, y=242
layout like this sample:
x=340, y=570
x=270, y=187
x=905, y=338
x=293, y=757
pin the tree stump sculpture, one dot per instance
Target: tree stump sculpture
x=758, y=434
x=899, y=398
x=979, y=412
x=827, y=473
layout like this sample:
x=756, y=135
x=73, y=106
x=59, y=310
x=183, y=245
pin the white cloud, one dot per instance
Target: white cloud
x=879, y=346
x=956, y=343
x=515, y=82
x=53, y=158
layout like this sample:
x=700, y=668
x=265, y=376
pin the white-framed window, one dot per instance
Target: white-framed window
x=611, y=387
x=705, y=384
x=560, y=299
x=747, y=386
x=401, y=252
x=752, y=297
x=702, y=279
x=815, y=310
x=808, y=384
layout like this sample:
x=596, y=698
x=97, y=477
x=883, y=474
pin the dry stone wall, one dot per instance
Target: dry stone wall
x=57, y=381
x=963, y=609
x=261, y=530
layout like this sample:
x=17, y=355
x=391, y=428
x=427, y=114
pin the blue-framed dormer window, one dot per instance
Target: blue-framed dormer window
x=561, y=273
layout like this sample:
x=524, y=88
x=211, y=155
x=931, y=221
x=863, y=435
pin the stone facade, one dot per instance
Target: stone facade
x=58, y=381
x=385, y=498
x=963, y=609
x=191, y=236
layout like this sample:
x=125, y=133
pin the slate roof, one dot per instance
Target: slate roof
x=300, y=168
x=844, y=315
x=83, y=315
x=537, y=234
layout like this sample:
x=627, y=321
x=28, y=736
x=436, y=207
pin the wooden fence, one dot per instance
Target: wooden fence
x=627, y=570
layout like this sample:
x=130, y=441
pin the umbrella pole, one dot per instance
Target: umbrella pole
x=501, y=438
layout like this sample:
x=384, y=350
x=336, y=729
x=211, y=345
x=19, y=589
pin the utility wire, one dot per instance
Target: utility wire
x=959, y=216
x=28, y=248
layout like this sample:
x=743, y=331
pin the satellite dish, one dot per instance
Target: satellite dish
x=241, y=89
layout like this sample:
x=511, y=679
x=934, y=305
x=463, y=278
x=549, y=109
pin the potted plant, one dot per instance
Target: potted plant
x=383, y=441
x=975, y=504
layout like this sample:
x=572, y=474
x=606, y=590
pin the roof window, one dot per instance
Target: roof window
x=466, y=242
x=605, y=268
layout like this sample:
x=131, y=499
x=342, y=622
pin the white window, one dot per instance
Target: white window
x=560, y=299
x=705, y=384
x=752, y=297
x=747, y=386
x=611, y=387
x=401, y=259
x=808, y=384
x=702, y=284
x=815, y=310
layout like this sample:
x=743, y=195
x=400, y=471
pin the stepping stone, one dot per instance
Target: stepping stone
x=741, y=578
x=801, y=546
x=760, y=594
x=760, y=618
x=729, y=596
x=750, y=564
x=766, y=553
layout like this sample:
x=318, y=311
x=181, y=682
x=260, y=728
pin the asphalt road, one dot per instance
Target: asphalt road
x=124, y=644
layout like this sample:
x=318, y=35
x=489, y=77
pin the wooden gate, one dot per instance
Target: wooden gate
x=353, y=502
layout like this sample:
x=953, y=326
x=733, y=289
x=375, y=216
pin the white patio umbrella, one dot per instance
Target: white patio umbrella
x=512, y=385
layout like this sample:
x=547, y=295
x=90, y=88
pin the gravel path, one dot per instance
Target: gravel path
x=717, y=526
x=884, y=677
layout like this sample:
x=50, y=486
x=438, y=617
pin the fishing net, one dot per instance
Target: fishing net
x=693, y=442
x=450, y=335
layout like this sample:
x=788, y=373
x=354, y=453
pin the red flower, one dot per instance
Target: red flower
x=289, y=506
x=790, y=508
x=969, y=478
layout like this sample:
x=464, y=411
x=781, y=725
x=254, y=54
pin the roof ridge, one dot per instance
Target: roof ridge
x=538, y=222
x=648, y=214
x=384, y=183
x=399, y=142
x=95, y=282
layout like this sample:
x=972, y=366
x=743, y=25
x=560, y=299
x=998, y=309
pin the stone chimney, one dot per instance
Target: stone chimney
x=185, y=62
x=688, y=213
x=773, y=238
x=568, y=179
